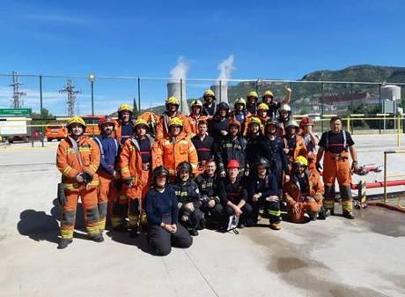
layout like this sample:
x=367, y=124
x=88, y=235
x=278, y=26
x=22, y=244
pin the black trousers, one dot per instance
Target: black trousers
x=161, y=241
x=247, y=210
x=213, y=214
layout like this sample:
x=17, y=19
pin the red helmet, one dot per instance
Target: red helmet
x=106, y=120
x=306, y=121
x=233, y=164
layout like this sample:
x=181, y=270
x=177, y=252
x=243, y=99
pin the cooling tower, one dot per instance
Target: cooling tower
x=174, y=89
x=221, y=92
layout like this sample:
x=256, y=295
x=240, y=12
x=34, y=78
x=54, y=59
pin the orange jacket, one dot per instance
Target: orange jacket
x=170, y=153
x=118, y=131
x=70, y=164
x=299, y=150
x=130, y=164
x=193, y=120
x=292, y=192
x=249, y=119
x=162, y=128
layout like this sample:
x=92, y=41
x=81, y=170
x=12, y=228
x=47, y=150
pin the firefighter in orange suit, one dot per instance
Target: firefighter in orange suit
x=107, y=173
x=303, y=193
x=124, y=128
x=196, y=116
x=336, y=147
x=172, y=111
x=78, y=158
x=135, y=165
x=174, y=149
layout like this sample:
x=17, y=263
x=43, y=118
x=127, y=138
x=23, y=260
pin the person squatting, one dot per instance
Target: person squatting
x=219, y=168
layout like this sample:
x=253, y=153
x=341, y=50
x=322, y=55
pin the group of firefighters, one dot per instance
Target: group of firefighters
x=174, y=174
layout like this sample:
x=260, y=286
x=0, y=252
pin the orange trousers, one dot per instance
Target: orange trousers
x=88, y=198
x=130, y=203
x=296, y=212
x=107, y=195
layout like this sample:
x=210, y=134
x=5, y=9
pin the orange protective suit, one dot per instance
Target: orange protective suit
x=170, y=152
x=194, y=120
x=299, y=202
x=73, y=158
x=162, y=128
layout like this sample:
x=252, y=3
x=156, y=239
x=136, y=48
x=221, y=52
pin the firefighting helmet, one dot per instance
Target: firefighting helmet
x=255, y=120
x=176, y=122
x=285, y=107
x=173, y=100
x=141, y=122
x=268, y=93
x=232, y=164
x=263, y=162
x=209, y=93
x=125, y=107
x=252, y=94
x=292, y=123
x=159, y=171
x=223, y=105
x=306, y=121
x=196, y=103
x=106, y=120
x=301, y=160
x=184, y=166
x=273, y=123
x=263, y=106
x=76, y=120
x=240, y=101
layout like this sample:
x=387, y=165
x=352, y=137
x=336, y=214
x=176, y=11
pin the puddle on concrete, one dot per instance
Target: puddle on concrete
x=296, y=268
x=383, y=221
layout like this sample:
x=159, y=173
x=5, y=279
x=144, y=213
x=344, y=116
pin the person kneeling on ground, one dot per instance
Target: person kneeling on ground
x=162, y=214
x=263, y=192
x=234, y=195
x=188, y=199
x=208, y=184
x=303, y=193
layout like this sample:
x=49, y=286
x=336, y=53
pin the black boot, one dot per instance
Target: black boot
x=64, y=242
x=322, y=214
x=134, y=232
x=97, y=238
x=348, y=215
x=193, y=232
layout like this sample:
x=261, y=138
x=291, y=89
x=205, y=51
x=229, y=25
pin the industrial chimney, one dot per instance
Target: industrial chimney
x=177, y=88
x=221, y=91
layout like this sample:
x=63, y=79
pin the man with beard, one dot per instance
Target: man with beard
x=109, y=147
x=172, y=111
x=204, y=144
x=124, y=128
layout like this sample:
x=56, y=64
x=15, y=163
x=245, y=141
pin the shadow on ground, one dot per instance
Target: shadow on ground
x=40, y=226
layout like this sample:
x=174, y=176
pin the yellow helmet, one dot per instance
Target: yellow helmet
x=240, y=101
x=125, y=107
x=141, y=122
x=76, y=120
x=268, y=93
x=176, y=122
x=301, y=160
x=173, y=100
x=209, y=93
x=196, y=103
x=263, y=106
x=255, y=120
x=253, y=94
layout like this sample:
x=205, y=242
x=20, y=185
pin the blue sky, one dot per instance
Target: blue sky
x=268, y=39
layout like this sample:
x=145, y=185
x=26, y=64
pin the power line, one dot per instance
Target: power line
x=16, y=101
x=71, y=100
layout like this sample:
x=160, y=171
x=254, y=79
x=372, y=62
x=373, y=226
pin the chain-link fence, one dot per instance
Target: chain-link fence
x=58, y=96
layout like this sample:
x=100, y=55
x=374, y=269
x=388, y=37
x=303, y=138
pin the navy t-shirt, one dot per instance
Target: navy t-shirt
x=334, y=142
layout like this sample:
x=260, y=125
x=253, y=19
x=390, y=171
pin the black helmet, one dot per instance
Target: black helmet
x=159, y=171
x=184, y=166
x=223, y=105
x=263, y=162
x=272, y=122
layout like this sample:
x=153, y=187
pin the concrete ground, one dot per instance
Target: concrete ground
x=336, y=257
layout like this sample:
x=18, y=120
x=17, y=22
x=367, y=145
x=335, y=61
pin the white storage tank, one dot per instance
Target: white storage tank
x=391, y=92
